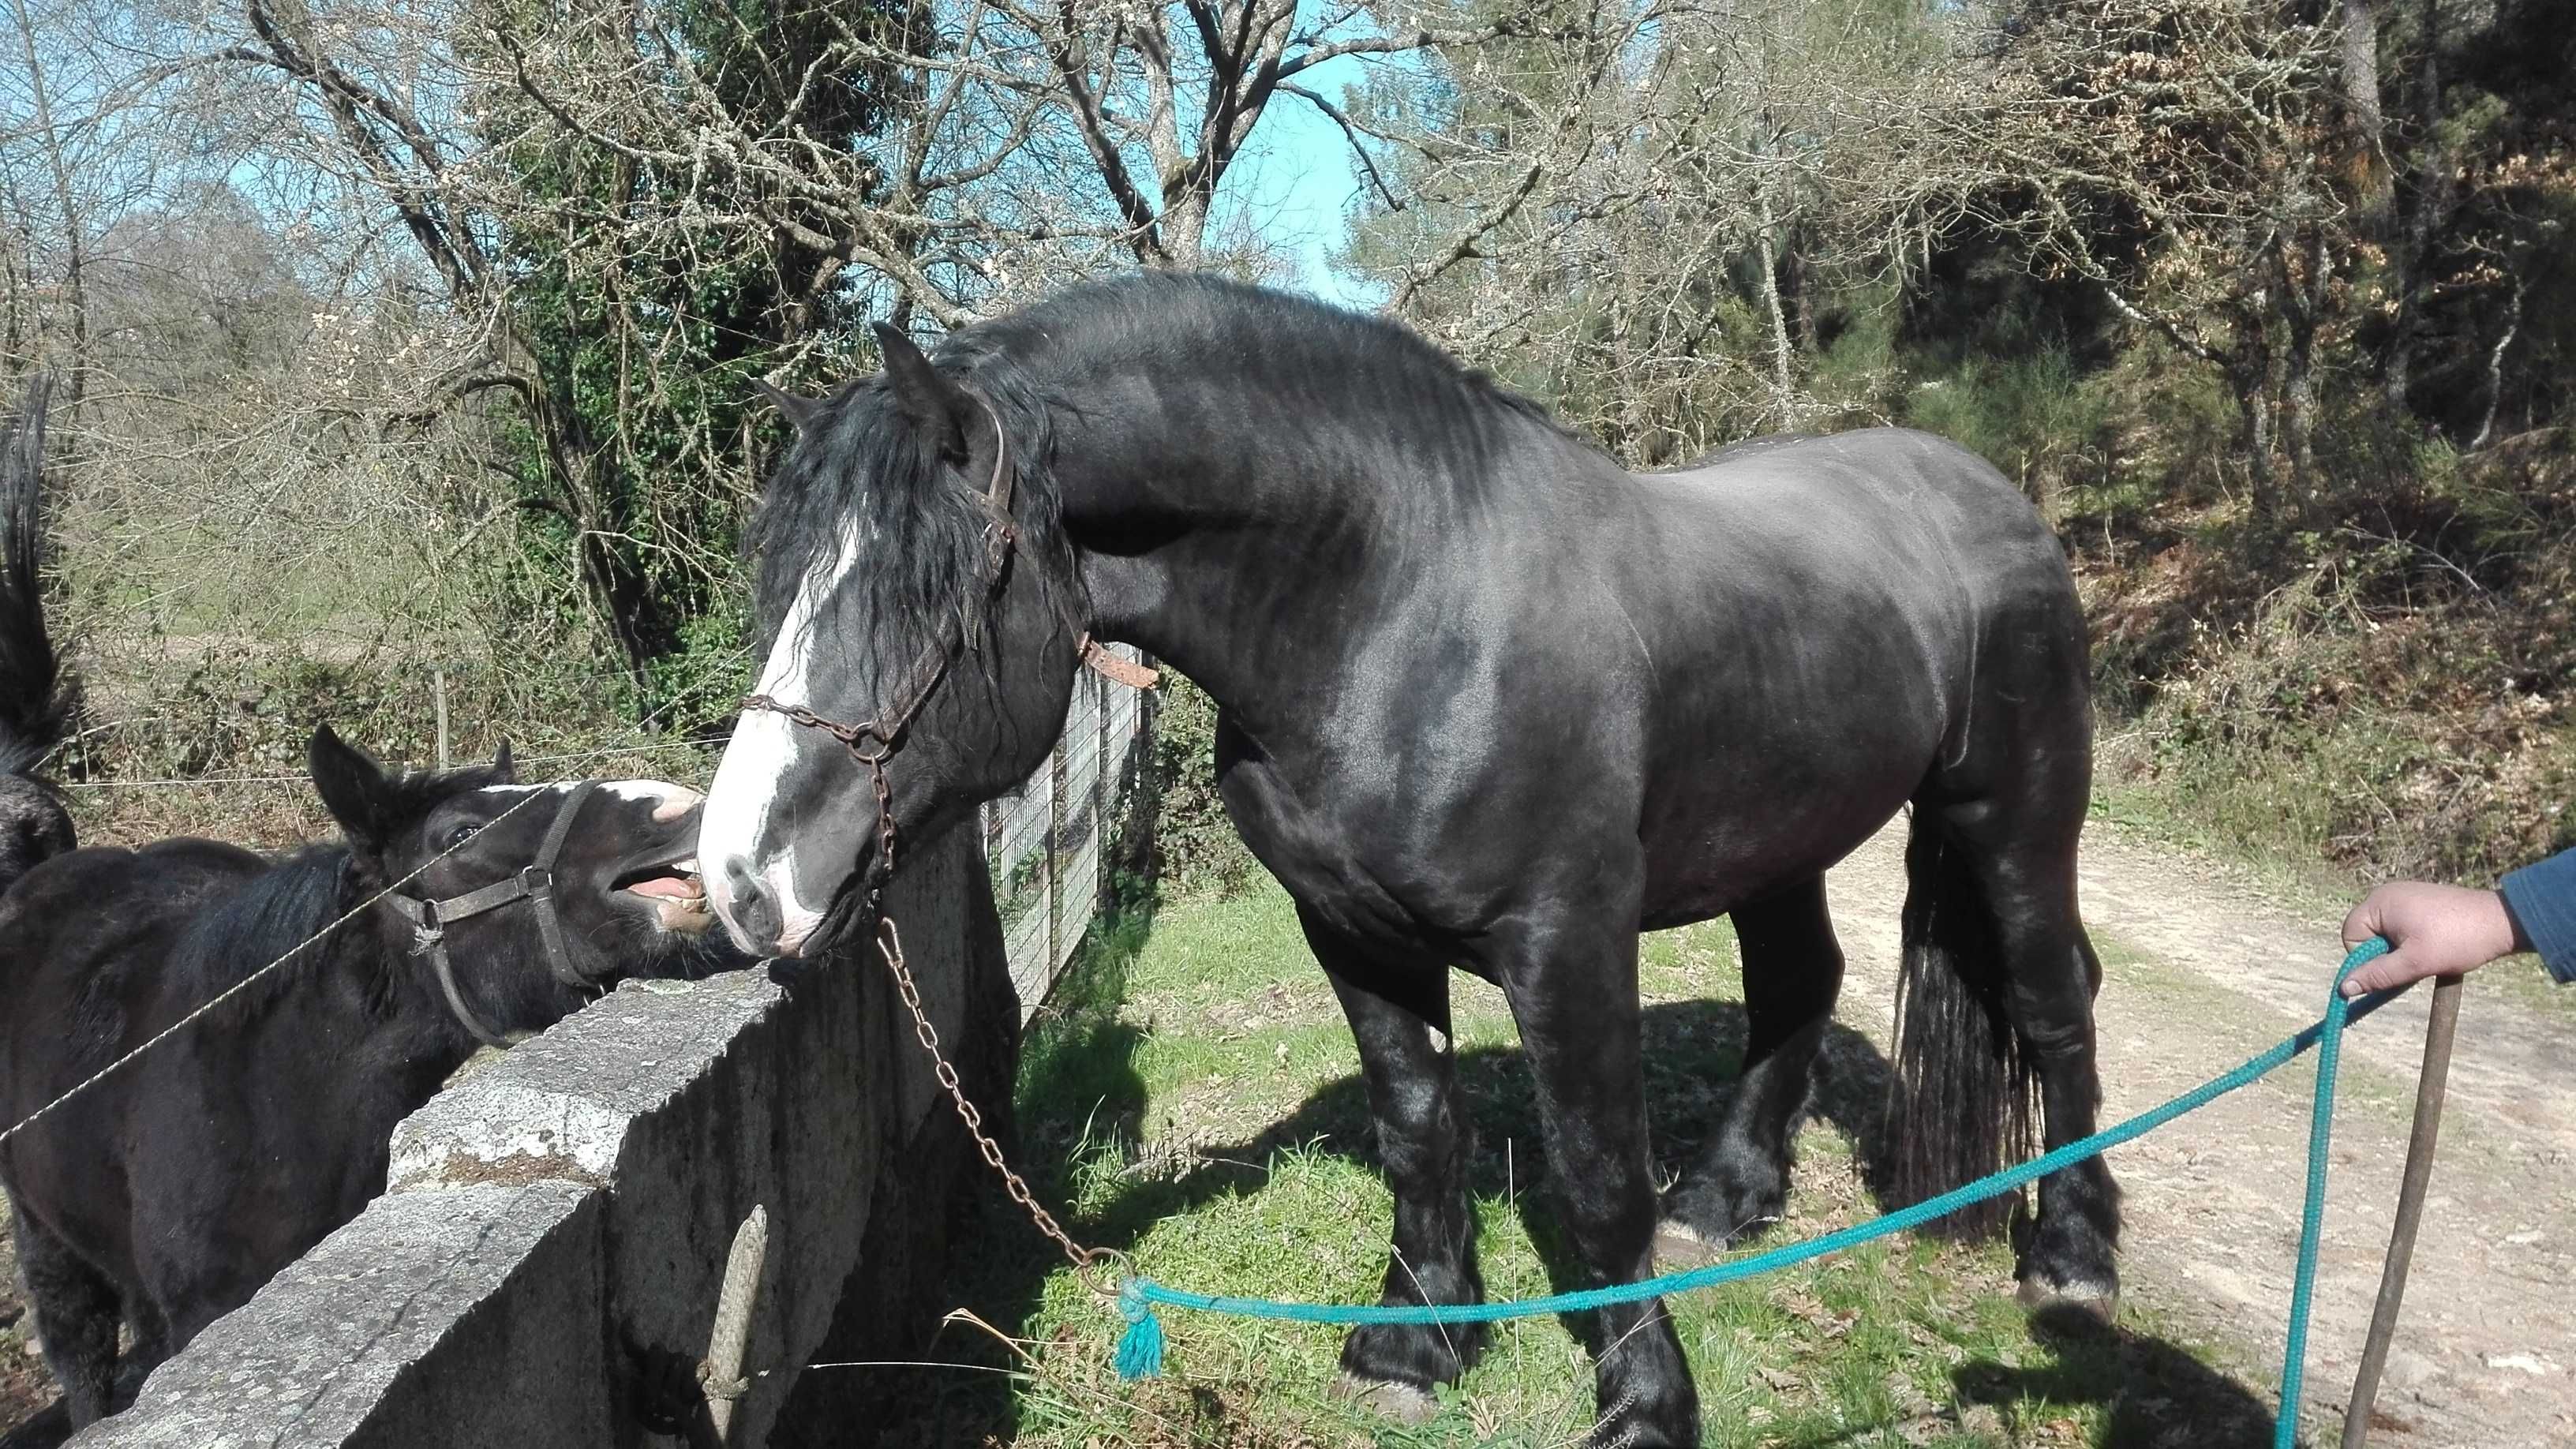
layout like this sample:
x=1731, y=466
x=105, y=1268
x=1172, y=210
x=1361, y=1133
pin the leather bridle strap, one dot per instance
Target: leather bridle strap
x=535, y=882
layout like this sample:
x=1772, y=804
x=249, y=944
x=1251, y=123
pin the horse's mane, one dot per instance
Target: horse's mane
x=856, y=466
x=277, y=910
x=284, y=906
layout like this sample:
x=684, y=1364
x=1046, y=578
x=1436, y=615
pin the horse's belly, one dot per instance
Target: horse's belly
x=1724, y=834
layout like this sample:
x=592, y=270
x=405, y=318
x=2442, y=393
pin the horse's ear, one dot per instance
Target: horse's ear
x=937, y=409
x=501, y=766
x=800, y=412
x=352, y=786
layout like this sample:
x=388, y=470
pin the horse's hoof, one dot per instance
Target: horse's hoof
x=2040, y=1298
x=1679, y=1247
x=1403, y=1403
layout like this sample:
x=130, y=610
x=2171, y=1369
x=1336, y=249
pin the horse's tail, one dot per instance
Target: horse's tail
x=38, y=697
x=1963, y=1104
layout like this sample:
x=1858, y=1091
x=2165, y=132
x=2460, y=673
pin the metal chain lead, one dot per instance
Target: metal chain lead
x=890, y=946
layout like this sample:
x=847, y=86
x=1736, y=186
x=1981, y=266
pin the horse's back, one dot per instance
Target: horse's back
x=1824, y=619
x=84, y=938
x=1944, y=486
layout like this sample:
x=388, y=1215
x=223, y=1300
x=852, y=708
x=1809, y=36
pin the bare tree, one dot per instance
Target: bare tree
x=1613, y=210
x=2171, y=155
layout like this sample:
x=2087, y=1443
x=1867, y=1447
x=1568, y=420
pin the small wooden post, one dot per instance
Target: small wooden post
x=438, y=686
x=2430, y=1088
x=721, y=1374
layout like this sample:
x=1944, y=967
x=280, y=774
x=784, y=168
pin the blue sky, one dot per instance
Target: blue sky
x=1298, y=178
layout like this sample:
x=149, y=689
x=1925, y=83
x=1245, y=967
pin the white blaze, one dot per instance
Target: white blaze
x=756, y=761
x=669, y=801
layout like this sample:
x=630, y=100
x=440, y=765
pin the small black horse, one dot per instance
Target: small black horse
x=1486, y=700
x=168, y=1192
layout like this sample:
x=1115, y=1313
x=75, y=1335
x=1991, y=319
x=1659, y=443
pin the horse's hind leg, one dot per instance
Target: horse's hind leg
x=1793, y=970
x=1400, y=1020
x=77, y=1317
x=2027, y=877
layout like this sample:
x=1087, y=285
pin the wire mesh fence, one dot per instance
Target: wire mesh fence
x=1051, y=843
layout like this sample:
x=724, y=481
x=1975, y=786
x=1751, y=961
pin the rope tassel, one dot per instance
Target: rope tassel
x=1140, y=1348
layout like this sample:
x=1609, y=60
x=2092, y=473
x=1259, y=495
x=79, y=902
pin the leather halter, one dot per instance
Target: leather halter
x=535, y=882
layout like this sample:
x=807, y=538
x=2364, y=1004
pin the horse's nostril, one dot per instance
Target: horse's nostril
x=754, y=911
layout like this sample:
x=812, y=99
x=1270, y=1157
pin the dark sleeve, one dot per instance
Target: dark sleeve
x=2542, y=899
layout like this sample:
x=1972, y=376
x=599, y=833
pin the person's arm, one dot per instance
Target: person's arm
x=2542, y=900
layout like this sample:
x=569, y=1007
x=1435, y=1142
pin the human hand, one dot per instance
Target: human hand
x=2432, y=930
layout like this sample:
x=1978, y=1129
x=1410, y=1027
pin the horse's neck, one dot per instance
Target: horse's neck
x=1246, y=558
x=375, y=1000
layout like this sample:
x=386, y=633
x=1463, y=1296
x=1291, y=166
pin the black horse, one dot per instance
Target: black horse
x=1487, y=701
x=164, y=1195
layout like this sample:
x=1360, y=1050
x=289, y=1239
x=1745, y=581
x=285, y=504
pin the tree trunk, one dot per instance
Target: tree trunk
x=2249, y=378
x=1767, y=236
x=2303, y=300
x=2432, y=199
x=1183, y=227
x=2372, y=183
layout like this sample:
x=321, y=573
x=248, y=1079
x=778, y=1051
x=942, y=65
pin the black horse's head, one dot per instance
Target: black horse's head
x=620, y=879
x=912, y=576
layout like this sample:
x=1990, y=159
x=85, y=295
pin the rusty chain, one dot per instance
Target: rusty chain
x=871, y=742
x=890, y=946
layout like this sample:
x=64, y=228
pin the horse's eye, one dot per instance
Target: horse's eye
x=461, y=834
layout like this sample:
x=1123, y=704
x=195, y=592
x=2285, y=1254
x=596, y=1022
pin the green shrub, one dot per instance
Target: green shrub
x=2031, y=415
x=1197, y=852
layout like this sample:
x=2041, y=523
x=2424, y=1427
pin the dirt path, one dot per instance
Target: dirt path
x=2203, y=972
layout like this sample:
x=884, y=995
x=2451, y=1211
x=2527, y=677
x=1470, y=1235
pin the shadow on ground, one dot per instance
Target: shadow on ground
x=1079, y=1087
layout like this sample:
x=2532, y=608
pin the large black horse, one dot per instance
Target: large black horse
x=166, y=1193
x=1487, y=700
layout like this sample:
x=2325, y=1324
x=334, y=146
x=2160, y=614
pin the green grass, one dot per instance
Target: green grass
x=1192, y=1100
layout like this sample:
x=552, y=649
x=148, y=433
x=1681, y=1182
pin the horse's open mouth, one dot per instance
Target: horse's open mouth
x=678, y=896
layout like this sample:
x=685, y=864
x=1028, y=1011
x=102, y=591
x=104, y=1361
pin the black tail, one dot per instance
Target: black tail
x=1964, y=1099
x=37, y=697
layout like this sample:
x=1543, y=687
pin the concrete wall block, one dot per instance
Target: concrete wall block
x=465, y=1316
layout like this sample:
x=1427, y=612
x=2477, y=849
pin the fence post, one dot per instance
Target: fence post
x=438, y=686
x=1100, y=792
x=1055, y=860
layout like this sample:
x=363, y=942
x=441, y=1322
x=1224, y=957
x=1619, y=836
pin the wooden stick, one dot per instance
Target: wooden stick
x=2430, y=1089
x=721, y=1373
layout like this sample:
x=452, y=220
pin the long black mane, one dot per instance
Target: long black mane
x=856, y=467
x=264, y=920
x=855, y=464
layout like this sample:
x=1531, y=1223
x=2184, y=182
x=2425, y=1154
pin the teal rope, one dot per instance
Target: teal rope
x=1140, y=1348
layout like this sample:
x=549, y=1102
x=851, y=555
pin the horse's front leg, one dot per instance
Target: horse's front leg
x=1401, y=1021
x=1570, y=971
